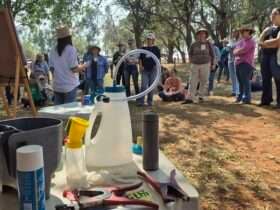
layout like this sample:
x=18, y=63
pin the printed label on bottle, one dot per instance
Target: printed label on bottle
x=32, y=190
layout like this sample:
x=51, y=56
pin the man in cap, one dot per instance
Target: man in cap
x=148, y=68
x=201, y=57
x=65, y=67
x=116, y=57
x=131, y=70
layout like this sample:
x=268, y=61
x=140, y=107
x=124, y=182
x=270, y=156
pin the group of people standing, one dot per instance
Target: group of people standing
x=135, y=64
x=205, y=58
x=66, y=68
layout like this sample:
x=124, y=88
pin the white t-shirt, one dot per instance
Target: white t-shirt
x=64, y=80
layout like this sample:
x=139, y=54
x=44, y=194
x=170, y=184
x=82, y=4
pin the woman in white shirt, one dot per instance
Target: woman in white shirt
x=65, y=68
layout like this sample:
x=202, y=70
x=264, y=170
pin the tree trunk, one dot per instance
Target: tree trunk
x=183, y=54
x=138, y=35
x=170, y=51
x=188, y=38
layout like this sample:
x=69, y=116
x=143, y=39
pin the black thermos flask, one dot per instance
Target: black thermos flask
x=150, y=141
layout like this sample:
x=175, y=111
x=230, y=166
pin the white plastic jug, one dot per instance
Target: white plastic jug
x=111, y=146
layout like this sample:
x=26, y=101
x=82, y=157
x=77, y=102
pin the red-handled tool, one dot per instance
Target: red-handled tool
x=109, y=196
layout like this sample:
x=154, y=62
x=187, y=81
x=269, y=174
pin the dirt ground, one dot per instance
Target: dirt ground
x=230, y=152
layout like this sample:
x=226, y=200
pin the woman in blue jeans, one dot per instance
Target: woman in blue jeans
x=244, y=59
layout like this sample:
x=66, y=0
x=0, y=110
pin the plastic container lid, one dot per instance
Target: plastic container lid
x=150, y=116
x=114, y=89
x=29, y=158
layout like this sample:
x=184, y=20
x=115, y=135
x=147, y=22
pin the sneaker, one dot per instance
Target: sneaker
x=263, y=104
x=238, y=101
x=246, y=102
x=188, y=101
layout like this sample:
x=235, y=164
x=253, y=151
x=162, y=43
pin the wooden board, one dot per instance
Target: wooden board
x=10, y=48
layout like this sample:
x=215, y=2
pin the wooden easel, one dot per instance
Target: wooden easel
x=20, y=75
x=16, y=66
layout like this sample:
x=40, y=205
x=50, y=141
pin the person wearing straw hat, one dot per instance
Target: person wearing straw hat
x=201, y=57
x=148, y=68
x=65, y=67
x=95, y=73
x=244, y=59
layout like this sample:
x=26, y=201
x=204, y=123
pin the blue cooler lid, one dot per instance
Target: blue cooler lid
x=114, y=89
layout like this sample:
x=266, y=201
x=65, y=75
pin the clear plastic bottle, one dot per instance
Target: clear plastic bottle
x=75, y=167
x=74, y=154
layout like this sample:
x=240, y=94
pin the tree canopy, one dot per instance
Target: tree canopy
x=173, y=21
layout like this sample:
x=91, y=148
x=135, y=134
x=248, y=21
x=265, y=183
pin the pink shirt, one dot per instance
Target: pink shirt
x=248, y=50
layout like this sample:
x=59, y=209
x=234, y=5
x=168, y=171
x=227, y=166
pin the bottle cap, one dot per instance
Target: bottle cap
x=29, y=158
x=77, y=129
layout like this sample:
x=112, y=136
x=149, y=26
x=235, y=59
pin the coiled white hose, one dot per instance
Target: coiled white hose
x=153, y=85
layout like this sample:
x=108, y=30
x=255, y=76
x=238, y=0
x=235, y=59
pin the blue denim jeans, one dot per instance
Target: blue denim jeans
x=212, y=75
x=91, y=86
x=233, y=77
x=64, y=98
x=148, y=77
x=131, y=71
x=223, y=69
x=244, y=73
x=267, y=79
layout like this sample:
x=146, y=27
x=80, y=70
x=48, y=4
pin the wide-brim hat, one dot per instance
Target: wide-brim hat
x=95, y=47
x=202, y=30
x=62, y=32
x=247, y=28
x=151, y=36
